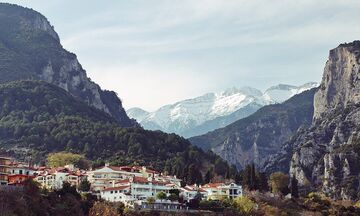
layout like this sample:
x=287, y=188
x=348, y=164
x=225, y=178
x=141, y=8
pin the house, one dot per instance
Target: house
x=189, y=192
x=107, y=176
x=217, y=191
x=135, y=189
x=20, y=172
x=4, y=170
x=117, y=194
x=54, y=178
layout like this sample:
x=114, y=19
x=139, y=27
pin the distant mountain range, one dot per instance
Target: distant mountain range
x=208, y=112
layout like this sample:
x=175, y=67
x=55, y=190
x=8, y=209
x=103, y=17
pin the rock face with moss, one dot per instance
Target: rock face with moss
x=31, y=49
x=328, y=153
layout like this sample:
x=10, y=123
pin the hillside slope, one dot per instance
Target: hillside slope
x=37, y=118
x=257, y=137
x=31, y=49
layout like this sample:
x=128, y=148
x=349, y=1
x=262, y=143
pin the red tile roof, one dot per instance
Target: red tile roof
x=122, y=181
x=116, y=188
x=212, y=185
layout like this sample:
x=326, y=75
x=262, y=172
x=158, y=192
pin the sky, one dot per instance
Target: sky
x=157, y=52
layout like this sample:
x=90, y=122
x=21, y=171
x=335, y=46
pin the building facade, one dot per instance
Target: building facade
x=5, y=163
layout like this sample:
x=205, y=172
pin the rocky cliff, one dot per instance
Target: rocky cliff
x=327, y=154
x=31, y=49
x=340, y=84
x=261, y=135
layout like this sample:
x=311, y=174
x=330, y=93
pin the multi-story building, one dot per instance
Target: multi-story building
x=189, y=192
x=135, y=189
x=4, y=170
x=107, y=176
x=118, y=194
x=19, y=173
x=217, y=191
x=55, y=178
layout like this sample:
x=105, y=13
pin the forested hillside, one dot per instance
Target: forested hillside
x=37, y=118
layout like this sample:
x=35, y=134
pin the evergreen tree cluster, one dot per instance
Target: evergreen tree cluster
x=43, y=118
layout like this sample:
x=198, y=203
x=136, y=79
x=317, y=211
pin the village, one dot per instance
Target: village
x=134, y=186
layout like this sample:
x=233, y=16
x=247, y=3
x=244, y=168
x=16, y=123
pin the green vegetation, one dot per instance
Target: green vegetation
x=294, y=187
x=161, y=196
x=45, y=119
x=251, y=179
x=279, y=183
x=33, y=201
x=84, y=186
x=60, y=159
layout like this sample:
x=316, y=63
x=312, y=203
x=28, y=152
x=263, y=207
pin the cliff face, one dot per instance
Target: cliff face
x=327, y=154
x=261, y=135
x=340, y=84
x=31, y=49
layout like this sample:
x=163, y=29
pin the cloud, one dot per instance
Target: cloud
x=156, y=52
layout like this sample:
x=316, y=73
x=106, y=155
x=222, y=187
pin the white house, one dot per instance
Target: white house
x=217, y=191
x=55, y=178
x=117, y=194
x=136, y=188
x=189, y=192
x=108, y=176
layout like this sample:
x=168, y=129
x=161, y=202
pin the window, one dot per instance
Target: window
x=111, y=192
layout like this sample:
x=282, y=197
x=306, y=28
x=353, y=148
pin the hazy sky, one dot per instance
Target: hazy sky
x=154, y=52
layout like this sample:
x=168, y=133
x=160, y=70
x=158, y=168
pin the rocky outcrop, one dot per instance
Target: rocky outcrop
x=340, y=84
x=327, y=154
x=31, y=49
x=261, y=135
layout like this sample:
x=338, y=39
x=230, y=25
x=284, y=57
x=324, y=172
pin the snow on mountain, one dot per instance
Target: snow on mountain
x=137, y=113
x=280, y=93
x=214, y=108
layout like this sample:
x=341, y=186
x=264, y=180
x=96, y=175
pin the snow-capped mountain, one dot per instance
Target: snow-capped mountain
x=281, y=92
x=213, y=110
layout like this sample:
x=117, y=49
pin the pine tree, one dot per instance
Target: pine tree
x=253, y=181
x=294, y=187
x=208, y=177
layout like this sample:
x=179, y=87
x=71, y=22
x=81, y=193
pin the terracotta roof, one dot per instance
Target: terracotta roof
x=21, y=175
x=140, y=180
x=122, y=181
x=145, y=180
x=116, y=188
x=213, y=185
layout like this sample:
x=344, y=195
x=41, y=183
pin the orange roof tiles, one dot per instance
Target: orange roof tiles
x=116, y=188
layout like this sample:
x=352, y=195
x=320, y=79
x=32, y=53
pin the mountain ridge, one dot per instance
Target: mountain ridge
x=31, y=49
x=216, y=109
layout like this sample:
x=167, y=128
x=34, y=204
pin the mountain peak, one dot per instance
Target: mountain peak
x=31, y=49
x=341, y=80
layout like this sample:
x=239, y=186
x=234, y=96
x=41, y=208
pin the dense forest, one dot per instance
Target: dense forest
x=37, y=118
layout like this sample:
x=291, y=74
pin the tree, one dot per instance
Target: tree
x=150, y=200
x=208, y=176
x=253, y=179
x=294, y=187
x=173, y=197
x=61, y=159
x=279, y=182
x=244, y=205
x=161, y=196
x=84, y=185
x=104, y=209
